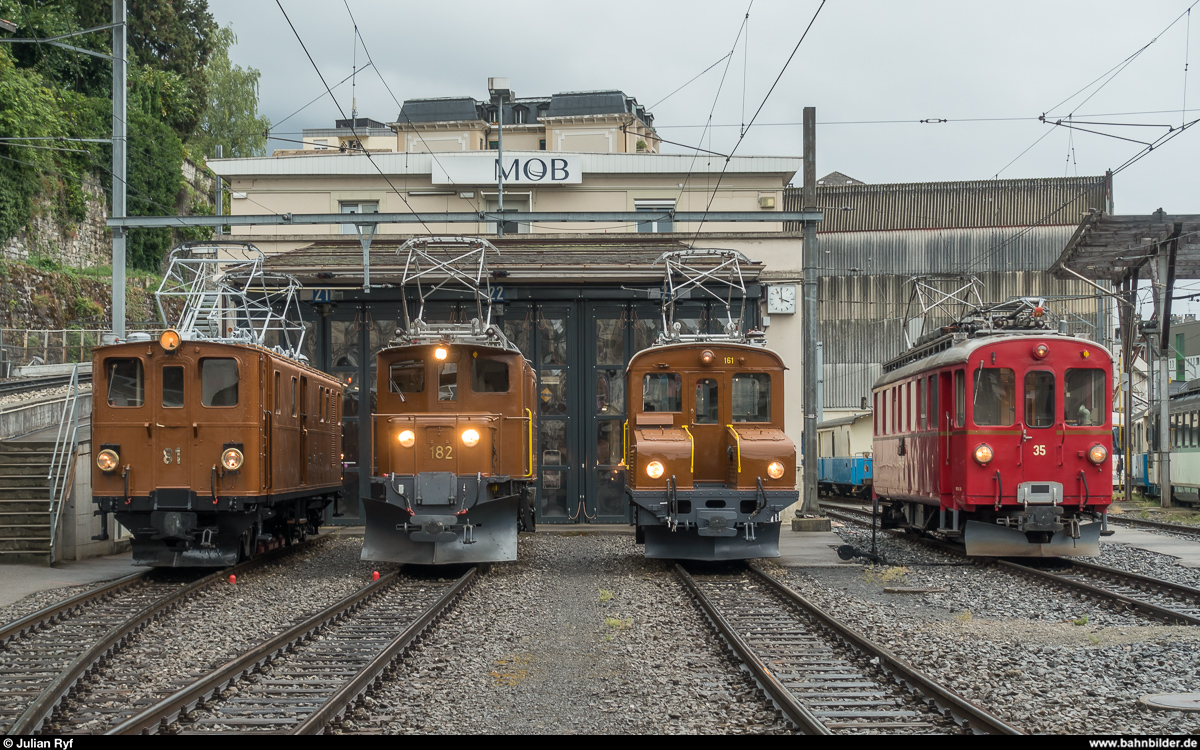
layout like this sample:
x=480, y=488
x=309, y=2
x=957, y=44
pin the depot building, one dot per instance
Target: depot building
x=578, y=299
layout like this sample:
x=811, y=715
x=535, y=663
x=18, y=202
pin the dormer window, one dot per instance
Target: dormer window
x=520, y=115
x=492, y=115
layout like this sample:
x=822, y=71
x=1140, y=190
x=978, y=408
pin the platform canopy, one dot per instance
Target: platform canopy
x=1116, y=248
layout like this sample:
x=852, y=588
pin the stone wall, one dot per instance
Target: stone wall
x=81, y=245
x=89, y=243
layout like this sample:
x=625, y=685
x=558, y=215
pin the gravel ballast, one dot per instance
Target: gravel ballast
x=1045, y=660
x=580, y=636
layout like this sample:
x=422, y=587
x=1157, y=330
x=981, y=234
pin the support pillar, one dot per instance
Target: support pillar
x=119, y=118
x=808, y=494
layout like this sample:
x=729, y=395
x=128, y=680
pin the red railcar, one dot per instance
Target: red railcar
x=1001, y=439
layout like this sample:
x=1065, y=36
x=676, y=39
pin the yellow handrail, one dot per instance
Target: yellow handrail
x=738, y=439
x=529, y=416
x=692, y=440
x=625, y=442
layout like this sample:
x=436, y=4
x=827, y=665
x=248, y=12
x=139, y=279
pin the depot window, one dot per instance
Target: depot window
x=489, y=376
x=126, y=382
x=219, y=382
x=407, y=376
x=1085, y=403
x=995, y=397
x=1039, y=398
x=751, y=397
x=662, y=392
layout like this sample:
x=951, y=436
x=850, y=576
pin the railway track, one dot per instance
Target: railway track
x=823, y=676
x=13, y=386
x=47, y=655
x=304, y=680
x=1144, y=523
x=1161, y=600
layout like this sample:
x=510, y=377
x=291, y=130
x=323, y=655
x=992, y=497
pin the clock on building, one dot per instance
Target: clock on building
x=781, y=299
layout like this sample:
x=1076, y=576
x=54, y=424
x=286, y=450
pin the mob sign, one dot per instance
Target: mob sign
x=519, y=169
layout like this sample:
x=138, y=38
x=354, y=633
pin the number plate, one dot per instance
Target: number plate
x=441, y=452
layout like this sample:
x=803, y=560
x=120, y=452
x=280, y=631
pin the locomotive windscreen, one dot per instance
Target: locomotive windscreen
x=126, y=382
x=219, y=382
x=751, y=397
x=1085, y=391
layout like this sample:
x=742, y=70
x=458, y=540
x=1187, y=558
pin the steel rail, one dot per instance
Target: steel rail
x=1135, y=580
x=23, y=385
x=57, y=611
x=959, y=708
x=171, y=708
x=1165, y=614
x=185, y=699
x=39, y=711
x=1176, y=528
x=337, y=704
x=795, y=712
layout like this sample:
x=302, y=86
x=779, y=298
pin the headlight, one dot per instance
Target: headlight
x=470, y=438
x=654, y=469
x=983, y=453
x=1097, y=454
x=169, y=340
x=440, y=353
x=1040, y=351
x=408, y=438
x=775, y=470
x=232, y=459
x=107, y=460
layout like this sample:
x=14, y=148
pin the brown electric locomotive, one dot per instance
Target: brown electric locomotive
x=710, y=467
x=208, y=448
x=453, y=434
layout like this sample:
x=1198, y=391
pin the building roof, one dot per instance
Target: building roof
x=1059, y=201
x=523, y=258
x=837, y=178
x=452, y=109
x=564, y=104
x=1114, y=247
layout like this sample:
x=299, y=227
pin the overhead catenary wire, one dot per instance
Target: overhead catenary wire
x=742, y=137
x=353, y=129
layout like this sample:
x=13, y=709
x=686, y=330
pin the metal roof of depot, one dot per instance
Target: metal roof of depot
x=1113, y=247
x=522, y=260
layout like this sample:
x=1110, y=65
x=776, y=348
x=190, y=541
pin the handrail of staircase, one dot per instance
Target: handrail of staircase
x=62, y=461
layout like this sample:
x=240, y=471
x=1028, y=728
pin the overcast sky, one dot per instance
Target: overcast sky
x=1000, y=64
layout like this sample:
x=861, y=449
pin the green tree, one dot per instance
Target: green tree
x=175, y=36
x=230, y=117
x=155, y=184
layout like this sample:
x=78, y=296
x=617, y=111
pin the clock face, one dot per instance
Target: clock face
x=781, y=299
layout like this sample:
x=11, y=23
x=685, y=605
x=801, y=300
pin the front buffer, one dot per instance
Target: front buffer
x=710, y=524
x=440, y=518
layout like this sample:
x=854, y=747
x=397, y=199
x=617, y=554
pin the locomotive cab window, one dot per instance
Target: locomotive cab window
x=489, y=376
x=707, y=406
x=751, y=397
x=1084, y=402
x=995, y=397
x=219, y=382
x=662, y=392
x=126, y=382
x=172, y=387
x=1039, y=398
x=448, y=381
x=407, y=376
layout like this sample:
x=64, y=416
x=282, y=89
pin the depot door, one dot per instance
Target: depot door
x=607, y=343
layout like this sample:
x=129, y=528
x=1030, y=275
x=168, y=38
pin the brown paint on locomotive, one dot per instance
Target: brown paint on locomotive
x=454, y=458
x=707, y=450
x=171, y=416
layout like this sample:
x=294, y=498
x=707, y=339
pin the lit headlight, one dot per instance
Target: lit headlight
x=1097, y=454
x=232, y=459
x=470, y=438
x=408, y=438
x=775, y=470
x=654, y=469
x=107, y=460
x=983, y=453
x=169, y=340
x=440, y=353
